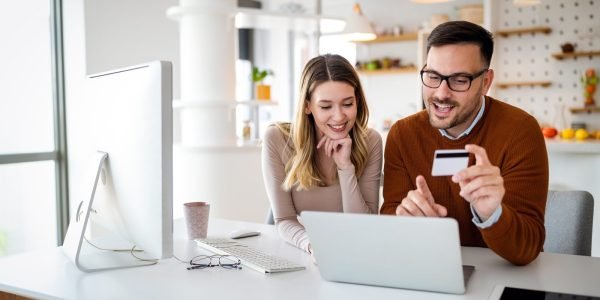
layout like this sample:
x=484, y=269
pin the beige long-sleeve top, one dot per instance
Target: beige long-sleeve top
x=350, y=194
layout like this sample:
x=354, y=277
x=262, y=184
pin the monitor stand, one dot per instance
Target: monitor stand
x=82, y=253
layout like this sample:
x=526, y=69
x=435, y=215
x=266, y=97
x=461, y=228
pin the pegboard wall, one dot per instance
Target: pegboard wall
x=528, y=57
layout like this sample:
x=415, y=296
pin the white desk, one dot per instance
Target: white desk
x=50, y=275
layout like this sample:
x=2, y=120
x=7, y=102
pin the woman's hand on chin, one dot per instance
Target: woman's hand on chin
x=338, y=149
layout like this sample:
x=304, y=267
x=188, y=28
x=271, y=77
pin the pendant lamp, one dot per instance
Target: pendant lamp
x=358, y=27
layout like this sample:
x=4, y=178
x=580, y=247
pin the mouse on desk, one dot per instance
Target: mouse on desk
x=243, y=233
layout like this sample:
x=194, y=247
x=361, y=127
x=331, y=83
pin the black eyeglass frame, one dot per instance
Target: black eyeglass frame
x=235, y=262
x=471, y=77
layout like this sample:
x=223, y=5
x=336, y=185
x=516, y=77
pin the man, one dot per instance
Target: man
x=500, y=199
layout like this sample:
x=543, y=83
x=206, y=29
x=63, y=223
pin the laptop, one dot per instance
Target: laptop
x=401, y=252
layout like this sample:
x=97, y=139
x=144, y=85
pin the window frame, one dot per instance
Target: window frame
x=59, y=155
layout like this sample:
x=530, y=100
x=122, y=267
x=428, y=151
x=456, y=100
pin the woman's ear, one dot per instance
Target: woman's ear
x=307, y=109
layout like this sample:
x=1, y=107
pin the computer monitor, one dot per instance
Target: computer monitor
x=129, y=201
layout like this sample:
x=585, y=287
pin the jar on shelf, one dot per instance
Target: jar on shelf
x=247, y=130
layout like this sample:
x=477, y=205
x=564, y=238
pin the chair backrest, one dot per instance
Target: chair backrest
x=569, y=219
x=269, y=219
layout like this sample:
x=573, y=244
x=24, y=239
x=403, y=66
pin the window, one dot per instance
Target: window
x=32, y=153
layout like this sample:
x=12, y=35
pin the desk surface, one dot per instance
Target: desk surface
x=49, y=274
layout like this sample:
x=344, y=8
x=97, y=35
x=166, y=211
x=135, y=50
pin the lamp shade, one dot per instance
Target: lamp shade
x=358, y=27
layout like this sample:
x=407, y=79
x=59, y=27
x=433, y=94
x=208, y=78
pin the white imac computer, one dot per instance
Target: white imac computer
x=125, y=218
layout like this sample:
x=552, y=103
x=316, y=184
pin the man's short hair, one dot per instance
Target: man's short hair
x=463, y=32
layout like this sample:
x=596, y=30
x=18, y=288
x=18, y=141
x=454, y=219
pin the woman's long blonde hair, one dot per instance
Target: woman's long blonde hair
x=302, y=168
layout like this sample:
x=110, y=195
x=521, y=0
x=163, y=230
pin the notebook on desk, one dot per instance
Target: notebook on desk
x=390, y=251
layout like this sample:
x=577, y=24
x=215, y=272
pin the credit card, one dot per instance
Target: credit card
x=449, y=162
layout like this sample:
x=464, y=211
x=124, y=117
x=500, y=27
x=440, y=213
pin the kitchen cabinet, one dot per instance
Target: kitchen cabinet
x=391, y=93
x=400, y=47
x=574, y=165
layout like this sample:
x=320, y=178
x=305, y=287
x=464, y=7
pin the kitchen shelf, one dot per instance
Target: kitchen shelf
x=581, y=110
x=257, y=102
x=409, y=36
x=388, y=71
x=254, y=105
x=560, y=56
x=536, y=29
x=505, y=85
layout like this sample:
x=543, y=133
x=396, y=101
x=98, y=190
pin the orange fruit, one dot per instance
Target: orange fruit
x=567, y=134
x=581, y=134
x=549, y=132
x=590, y=89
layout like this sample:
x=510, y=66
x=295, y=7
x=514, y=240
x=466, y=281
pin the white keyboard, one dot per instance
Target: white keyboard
x=250, y=257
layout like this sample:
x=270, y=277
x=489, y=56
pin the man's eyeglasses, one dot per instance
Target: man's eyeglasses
x=457, y=82
x=209, y=261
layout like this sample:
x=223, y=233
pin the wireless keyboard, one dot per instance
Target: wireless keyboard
x=250, y=257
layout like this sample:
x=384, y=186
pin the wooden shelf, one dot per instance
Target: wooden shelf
x=409, y=36
x=536, y=29
x=560, y=56
x=581, y=110
x=388, y=71
x=505, y=85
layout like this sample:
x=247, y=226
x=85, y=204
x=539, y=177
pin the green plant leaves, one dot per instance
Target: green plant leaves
x=259, y=75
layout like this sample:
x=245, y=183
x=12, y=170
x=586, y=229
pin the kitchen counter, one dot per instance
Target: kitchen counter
x=573, y=146
x=574, y=165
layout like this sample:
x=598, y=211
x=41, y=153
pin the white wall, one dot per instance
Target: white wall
x=119, y=33
x=528, y=57
x=389, y=13
x=128, y=32
x=106, y=34
x=103, y=35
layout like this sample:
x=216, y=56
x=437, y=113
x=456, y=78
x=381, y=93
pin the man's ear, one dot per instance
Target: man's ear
x=487, y=81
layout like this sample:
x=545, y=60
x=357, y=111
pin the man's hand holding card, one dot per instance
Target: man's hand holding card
x=481, y=184
x=449, y=162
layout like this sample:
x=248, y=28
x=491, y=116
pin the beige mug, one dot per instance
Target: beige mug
x=196, y=219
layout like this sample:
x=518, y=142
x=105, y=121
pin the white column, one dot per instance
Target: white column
x=208, y=165
x=207, y=60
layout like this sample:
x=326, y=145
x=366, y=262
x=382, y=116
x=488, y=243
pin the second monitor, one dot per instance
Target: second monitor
x=128, y=116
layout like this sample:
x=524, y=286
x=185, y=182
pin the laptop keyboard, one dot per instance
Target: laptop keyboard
x=250, y=257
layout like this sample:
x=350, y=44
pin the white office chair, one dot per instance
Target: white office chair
x=269, y=219
x=569, y=219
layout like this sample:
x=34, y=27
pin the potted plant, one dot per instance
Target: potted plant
x=263, y=91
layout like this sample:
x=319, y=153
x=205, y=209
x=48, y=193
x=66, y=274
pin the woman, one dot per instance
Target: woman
x=327, y=159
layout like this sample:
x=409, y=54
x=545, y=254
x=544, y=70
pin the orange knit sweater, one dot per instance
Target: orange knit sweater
x=513, y=142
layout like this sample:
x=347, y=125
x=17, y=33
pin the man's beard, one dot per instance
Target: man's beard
x=451, y=121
